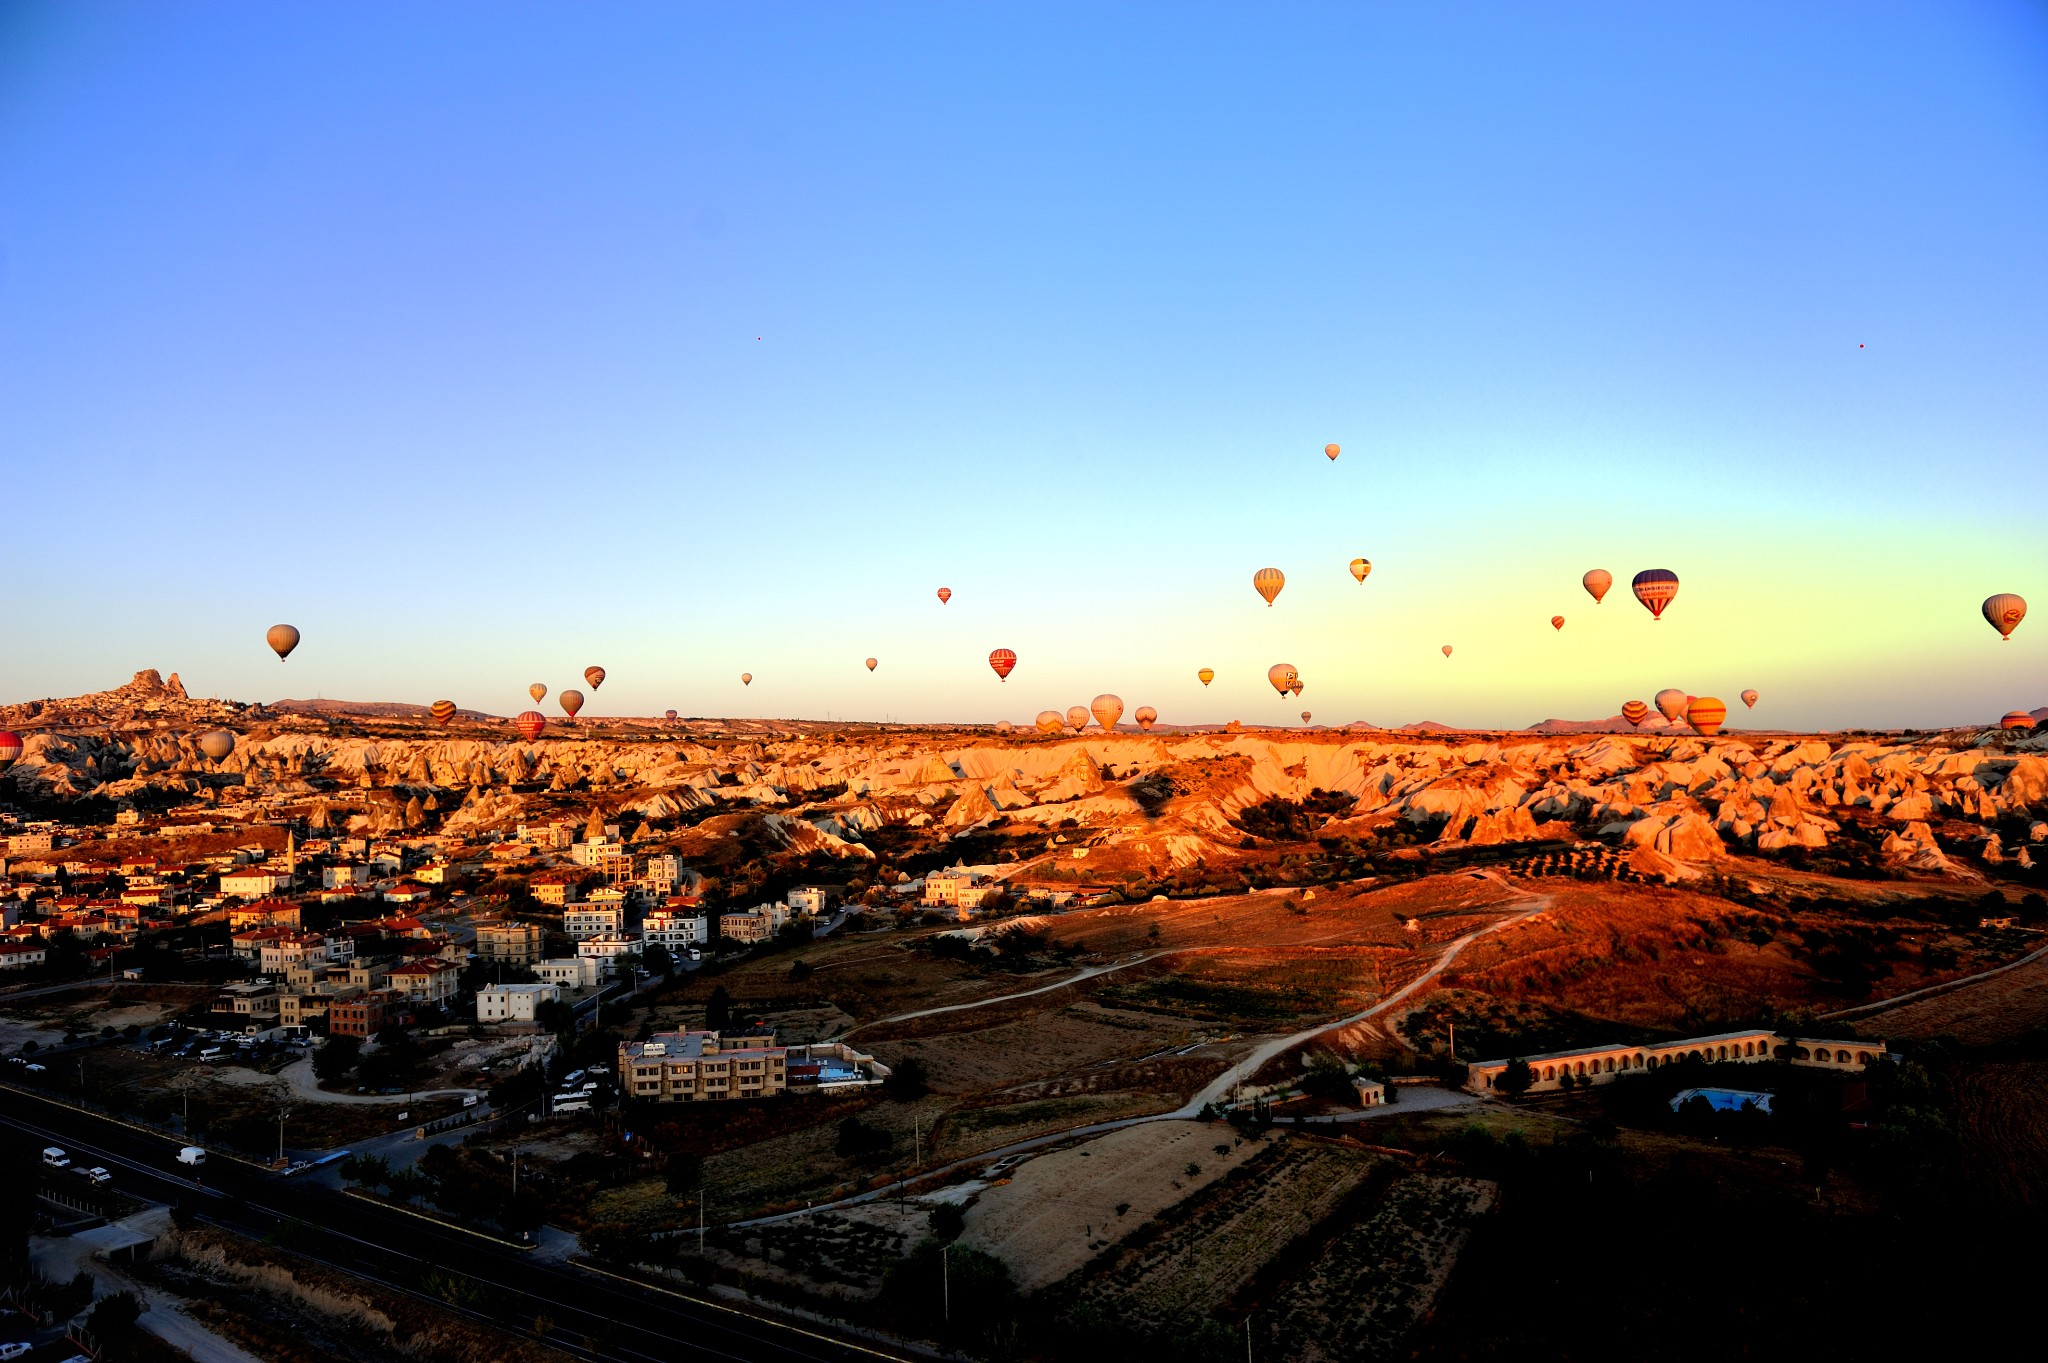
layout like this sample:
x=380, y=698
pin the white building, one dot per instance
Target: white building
x=571, y=972
x=513, y=1002
x=341, y=875
x=599, y=853
x=593, y=919
x=807, y=899
x=609, y=950
x=676, y=930
x=254, y=884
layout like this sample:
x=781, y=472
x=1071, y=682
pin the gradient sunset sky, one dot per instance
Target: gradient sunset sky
x=483, y=342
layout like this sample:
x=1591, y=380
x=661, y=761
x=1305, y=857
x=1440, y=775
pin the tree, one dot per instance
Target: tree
x=1515, y=1080
x=683, y=1173
x=659, y=959
x=948, y=1220
x=1327, y=1077
x=907, y=1081
x=718, y=1010
x=858, y=1140
x=113, y=1317
x=336, y=1058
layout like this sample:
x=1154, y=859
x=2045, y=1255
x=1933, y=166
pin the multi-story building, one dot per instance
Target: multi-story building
x=264, y=913
x=610, y=951
x=550, y=836
x=428, y=983
x=582, y=921
x=509, y=943
x=276, y=954
x=676, y=929
x=746, y=925
x=513, y=1002
x=571, y=972
x=366, y=1014
x=20, y=955
x=254, y=882
x=696, y=1067
x=343, y=874
x=808, y=899
x=556, y=888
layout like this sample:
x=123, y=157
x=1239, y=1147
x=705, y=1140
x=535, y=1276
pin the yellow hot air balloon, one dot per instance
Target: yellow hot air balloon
x=1282, y=677
x=1361, y=568
x=1107, y=710
x=2005, y=611
x=1705, y=714
x=594, y=675
x=1049, y=721
x=1077, y=717
x=538, y=691
x=1596, y=582
x=1332, y=450
x=1749, y=698
x=1206, y=675
x=442, y=711
x=571, y=702
x=1268, y=582
x=746, y=679
x=282, y=640
x=1146, y=717
x=871, y=664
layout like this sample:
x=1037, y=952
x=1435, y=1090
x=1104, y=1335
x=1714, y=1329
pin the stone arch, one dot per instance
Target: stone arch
x=1549, y=1073
x=1863, y=1057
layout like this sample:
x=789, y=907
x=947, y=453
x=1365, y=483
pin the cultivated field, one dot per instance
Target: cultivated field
x=2003, y=1008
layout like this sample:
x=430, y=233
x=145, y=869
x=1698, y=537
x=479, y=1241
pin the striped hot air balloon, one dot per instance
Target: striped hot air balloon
x=1361, y=568
x=1557, y=622
x=1705, y=714
x=2005, y=611
x=1670, y=703
x=1107, y=710
x=1206, y=675
x=1749, y=698
x=1077, y=717
x=1282, y=676
x=594, y=675
x=945, y=595
x=538, y=691
x=1146, y=717
x=1268, y=582
x=1050, y=721
x=1003, y=661
x=10, y=748
x=1635, y=712
x=1655, y=587
x=571, y=702
x=282, y=640
x=442, y=711
x=1332, y=450
x=530, y=723
x=2016, y=719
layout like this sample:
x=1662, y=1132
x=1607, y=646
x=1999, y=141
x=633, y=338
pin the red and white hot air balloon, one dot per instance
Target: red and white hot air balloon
x=945, y=595
x=1596, y=582
x=1003, y=661
x=530, y=723
x=594, y=675
x=10, y=748
x=1749, y=698
x=1635, y=712
x=1267, y=582
x=1655, y=587
x=1107, y=710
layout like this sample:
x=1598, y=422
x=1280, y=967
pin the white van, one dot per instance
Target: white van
x=55, y=1157
x=209, y=1055
x=193, y=1155
x=578, y=1104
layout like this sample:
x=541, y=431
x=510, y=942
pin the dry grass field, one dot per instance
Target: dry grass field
x=2004, y=1132
x=1986, y=1013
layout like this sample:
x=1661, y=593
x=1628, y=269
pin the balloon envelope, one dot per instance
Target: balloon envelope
x=1447, y=650
x=1361, y=568
x=670, y=715
x=1050, y=721
x=1146, y=716
x=1670, y=703
x=217, y=743
x=1296, y=688
x=1635, y=712
x=282, y=640
x=746, y=679
x=594, y=675
x=571, y=702
x=2016, y=719
x=530, y=723
x=1749, y=698
x=871, y=664
x=1332, y=450
x=2005, y=611
x=945, y=595
x=1281, y=675
x=1003, y=661
x=442, y=711
x=538, y=692
x=1268, y=582
x=1596, y=582
x=1655, y=587
x=1107, y=710
x=1306, y=716
x=1557, y=622
x=1206, y=675
x=1705, y=715
x=1077, y=717
x=10, y=748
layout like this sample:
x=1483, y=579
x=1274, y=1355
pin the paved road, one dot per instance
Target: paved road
x=62, y=1258
x=389, y=1247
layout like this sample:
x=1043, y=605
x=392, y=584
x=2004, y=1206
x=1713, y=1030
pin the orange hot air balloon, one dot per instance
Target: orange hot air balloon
x=1296, y=688
x=1003, y=661
x=1107, y=710
x=538, y=692
x=2016, y=719
x=1050, y=721
x=1281, y=675
x=1447, y=650
x=1557, y=622
x=530, y=723
x=2005, y=611
x=1596, y=582
x=571, y=702
x=10, y=748
x=1749, y=698
x=945, y=595
x=1635, y=712
x=1670, y=703
x=1146, y=717
x=1306, y=716
x=594, y=675
x=442, y=711
x=1655, y=587
x=1332, y=450
x=1705, y=714
x=871, y=664
x=746, y=679
x=1268, y=582
x=1206, y=675
x=1077, y=717
x=1361, y=568
x=283, y=639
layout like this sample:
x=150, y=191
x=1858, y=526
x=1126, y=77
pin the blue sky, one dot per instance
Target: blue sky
x=484, y=342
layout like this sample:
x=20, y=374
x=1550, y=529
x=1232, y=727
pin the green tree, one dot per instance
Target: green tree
x=907, y=1080
x=659, y=959
x=683, y=1173
x=718, y=1010
x=948, y=1220
x=336, y=1057
x=113, y=1317
x=1515, y=1080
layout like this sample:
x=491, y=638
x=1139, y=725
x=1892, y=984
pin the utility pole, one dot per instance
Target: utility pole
x=515, y=1171
x=282, y=1113
x=1454, y=1041
x=1247, y=1339
x=946, y=1279
x=700, y=1223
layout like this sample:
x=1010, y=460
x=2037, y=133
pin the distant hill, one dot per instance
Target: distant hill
x=367, y=709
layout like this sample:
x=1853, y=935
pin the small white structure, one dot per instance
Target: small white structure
x=571, y=972
x=513, y=1002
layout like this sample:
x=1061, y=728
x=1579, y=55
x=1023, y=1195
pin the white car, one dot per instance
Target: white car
x=37, y=1069
x=97, y=1175
x=10, y=1352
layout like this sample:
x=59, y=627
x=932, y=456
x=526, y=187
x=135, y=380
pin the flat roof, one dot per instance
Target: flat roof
x=1685, y=1044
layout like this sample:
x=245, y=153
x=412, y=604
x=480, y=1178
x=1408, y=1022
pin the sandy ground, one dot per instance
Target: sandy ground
x=50, y=1031
x=1059, y=1210
x=61, y=1258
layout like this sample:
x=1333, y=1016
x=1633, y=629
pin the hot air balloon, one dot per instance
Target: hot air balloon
x=2016, y=719
x=1050, y=721
x=1306, y=716
x=1557, y=622
x=1296, y=688
x=1705, y=715
x=282, y=640
x=1002, y=660
x=1361, y=568
x=1206, y=675
x=1077, y=717
x=1004, y=726
x=1655, y=587
x=571, y=702
x=1749, y=698
x=594, y=675
x=442, y=711
x=1596, y=582
x=1670, y=703
x=746, y=679
x=2005, y=611
x=871, y=664
x=670, y=716
x=1107, y=710
x=10, y=748
x=1268, y=582
x=1447, y=650
x=530, y=723
x=1146, y=717
x=1332, y=450
x=1281, y=675
x=945, y=595
x=217, y=743
x=1635, y=712
x=538, y=691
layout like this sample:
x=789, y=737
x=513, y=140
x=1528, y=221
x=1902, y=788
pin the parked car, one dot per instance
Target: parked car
x=36, y=1069
x=10, y=1352
x=55, y=1157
